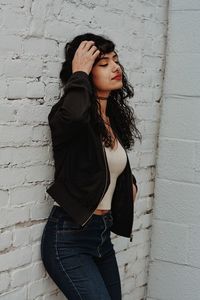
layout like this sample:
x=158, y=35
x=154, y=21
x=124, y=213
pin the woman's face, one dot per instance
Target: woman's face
x=105, y=70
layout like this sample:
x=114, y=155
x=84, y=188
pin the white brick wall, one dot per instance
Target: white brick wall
x=174, y=272
x=33, y=35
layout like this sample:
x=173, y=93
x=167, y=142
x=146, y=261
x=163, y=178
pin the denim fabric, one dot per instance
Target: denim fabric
x=81, y=260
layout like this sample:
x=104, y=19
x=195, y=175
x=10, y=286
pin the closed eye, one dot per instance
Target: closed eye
x=117, y=62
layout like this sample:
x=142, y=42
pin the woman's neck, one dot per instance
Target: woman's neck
x=102, y=99
x=103, y=105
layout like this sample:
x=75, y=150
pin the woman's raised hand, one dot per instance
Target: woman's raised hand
x=84, y=57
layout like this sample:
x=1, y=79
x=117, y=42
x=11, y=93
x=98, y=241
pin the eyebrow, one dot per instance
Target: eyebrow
x=115, y=55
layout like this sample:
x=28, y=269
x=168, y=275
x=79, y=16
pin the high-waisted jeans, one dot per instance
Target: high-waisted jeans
x=81, y=260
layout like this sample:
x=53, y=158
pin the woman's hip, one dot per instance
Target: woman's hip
x=61, y=233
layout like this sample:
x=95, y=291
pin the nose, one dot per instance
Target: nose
x=116, y=67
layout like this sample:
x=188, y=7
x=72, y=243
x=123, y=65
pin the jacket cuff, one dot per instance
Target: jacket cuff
x=134, y=182
x=82, y=76
x=80, y=73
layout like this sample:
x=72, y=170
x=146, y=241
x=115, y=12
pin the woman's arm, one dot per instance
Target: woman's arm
x=70, y=117
x=73, y=114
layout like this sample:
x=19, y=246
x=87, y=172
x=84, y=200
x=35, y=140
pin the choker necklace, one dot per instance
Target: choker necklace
x=102, y=98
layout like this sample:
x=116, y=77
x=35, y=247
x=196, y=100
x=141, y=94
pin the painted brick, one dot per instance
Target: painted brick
x=33, y=36
x=174, y=254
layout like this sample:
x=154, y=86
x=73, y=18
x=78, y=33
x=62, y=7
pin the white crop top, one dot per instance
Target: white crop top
x=117, y=160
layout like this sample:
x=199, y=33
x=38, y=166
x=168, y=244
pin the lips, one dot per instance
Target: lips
x=118, y=77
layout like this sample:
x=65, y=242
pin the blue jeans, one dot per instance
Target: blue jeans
x=81, y=260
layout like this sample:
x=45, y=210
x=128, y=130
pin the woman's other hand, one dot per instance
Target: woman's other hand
x=84, y=57
x=134, y=192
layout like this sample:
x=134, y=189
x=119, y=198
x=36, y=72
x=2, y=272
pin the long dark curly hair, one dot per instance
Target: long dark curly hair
x=121, y=115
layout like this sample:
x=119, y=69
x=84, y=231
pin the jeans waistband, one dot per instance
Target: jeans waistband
x=58, y=211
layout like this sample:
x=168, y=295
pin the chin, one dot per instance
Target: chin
x=118, y=85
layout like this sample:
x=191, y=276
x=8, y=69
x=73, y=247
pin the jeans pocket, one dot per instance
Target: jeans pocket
x=70, y=225
x=110, y=220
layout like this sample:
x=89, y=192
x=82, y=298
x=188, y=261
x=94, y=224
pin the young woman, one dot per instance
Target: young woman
x=94, y=189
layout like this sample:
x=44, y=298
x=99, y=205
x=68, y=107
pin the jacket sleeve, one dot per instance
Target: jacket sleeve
x=71, y=116
x=134, y=182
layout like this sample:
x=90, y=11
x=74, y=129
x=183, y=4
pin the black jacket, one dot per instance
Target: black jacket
x=81, y=169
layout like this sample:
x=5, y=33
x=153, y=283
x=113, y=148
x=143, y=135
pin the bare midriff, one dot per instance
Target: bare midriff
x=100, y=211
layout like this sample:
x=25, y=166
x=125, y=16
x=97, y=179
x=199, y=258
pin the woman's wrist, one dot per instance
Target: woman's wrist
x=78, y=70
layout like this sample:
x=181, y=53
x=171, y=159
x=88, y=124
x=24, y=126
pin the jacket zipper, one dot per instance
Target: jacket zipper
x=131, y=234
x=104, y=154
